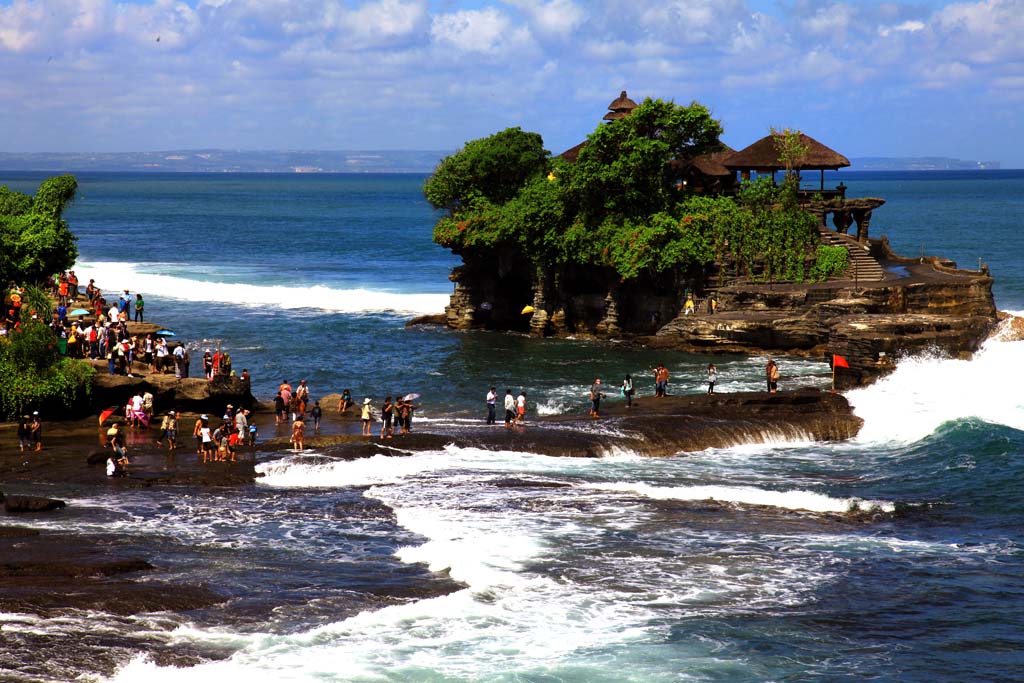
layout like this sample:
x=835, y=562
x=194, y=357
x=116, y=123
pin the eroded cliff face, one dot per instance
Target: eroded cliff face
x=920, y=305
x=491, y=291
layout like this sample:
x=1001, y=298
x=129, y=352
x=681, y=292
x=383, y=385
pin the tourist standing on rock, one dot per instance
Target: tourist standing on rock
x=595, y=398
x=510, y=408
x=316, y=413
x=387, y=416
x=24, y=433
x=279, y=407
x=161, y=354
x=520, y=409
x=168, y=430
x=207, y=364
x=140, y=308
x=771, y=375
x=286, y=393
x=242, y=424
x=491, y=400
x=627, y=390
x=206, y=436
x=712, y=377
x=298, y=429
x=147, y=405
x=367, y=415
x=179, y=361
x=296, y=408
x=660, y=381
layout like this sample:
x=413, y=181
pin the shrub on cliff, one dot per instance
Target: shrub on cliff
x=491, y=169
x=618, y=206
x=36, y=239
x=34, y=375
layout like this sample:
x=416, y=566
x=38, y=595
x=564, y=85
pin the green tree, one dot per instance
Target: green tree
x=36, y=239
x=492, y=168
x=791, y=148
x=624, y=168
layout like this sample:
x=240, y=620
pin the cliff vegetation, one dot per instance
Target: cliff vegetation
x=619, y=208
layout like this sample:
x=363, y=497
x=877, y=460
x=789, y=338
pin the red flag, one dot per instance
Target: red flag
x=838, y=361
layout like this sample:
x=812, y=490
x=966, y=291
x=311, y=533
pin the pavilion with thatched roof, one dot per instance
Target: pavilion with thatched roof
x=764, y=155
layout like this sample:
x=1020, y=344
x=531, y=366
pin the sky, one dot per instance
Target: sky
x=867, y=78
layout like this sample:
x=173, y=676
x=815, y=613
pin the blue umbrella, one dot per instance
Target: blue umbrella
x=166, y=333
x=79, y=311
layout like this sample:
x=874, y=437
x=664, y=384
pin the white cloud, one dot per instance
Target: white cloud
x=944, y=75
x=984, y=32
x=486, y=31
x=21, y=25
x=829, y=20
x=383, y=22
x=555, y=18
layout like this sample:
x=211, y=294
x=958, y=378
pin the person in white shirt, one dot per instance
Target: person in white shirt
x=510, y=408
x=492, y=398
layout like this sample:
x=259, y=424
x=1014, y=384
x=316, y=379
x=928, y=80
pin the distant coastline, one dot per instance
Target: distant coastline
x=311, y=161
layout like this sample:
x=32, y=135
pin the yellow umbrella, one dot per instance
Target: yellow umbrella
x=527, y=309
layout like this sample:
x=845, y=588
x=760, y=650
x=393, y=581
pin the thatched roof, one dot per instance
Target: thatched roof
x=763, y=156
x=621, y=107
x=573, y=153
x=713, y=164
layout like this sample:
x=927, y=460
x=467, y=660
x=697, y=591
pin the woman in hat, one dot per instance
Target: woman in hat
x=367, y=415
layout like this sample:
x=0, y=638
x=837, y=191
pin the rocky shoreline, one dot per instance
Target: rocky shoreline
x=907, y=306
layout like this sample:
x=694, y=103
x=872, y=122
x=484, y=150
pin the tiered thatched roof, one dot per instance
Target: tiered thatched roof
x=763, y=156
x=621, y=107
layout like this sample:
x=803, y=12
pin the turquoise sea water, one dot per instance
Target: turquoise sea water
x=736, y=564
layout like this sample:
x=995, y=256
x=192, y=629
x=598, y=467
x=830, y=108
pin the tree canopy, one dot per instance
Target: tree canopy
x=618, y=205
x=37, y=241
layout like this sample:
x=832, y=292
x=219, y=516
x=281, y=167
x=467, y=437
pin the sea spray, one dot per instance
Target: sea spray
x=155, y=280
x=924, y=393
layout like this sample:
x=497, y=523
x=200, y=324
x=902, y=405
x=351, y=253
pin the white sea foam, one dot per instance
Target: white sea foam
x=113, y=277
x=748, y=495
x=924, y=392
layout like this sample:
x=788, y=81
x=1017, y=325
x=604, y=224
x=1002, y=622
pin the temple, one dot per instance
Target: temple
x=880, y=306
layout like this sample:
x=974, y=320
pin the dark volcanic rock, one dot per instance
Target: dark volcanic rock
x=652, y=426
x=191, y=394
x=32, y=504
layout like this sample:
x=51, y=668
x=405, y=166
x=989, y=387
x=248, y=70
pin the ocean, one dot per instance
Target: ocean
x=738, y=564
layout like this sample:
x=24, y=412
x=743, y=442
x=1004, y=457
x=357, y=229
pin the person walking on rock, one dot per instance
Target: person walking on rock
x=712, y=377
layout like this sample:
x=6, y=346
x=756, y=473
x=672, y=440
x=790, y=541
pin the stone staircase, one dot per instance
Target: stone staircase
x=862, y=265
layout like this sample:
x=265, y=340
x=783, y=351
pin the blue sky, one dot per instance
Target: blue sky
x=867, y=78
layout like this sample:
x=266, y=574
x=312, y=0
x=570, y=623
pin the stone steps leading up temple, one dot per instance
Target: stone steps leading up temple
x=862, y=265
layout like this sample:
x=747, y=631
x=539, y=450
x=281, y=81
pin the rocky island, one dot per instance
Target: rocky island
x=654, y=231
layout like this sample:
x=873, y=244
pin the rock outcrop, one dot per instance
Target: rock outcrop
x=908, y=306
x=15, y=504
x=921, y=306
x=190, y=394
x=652, y=427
